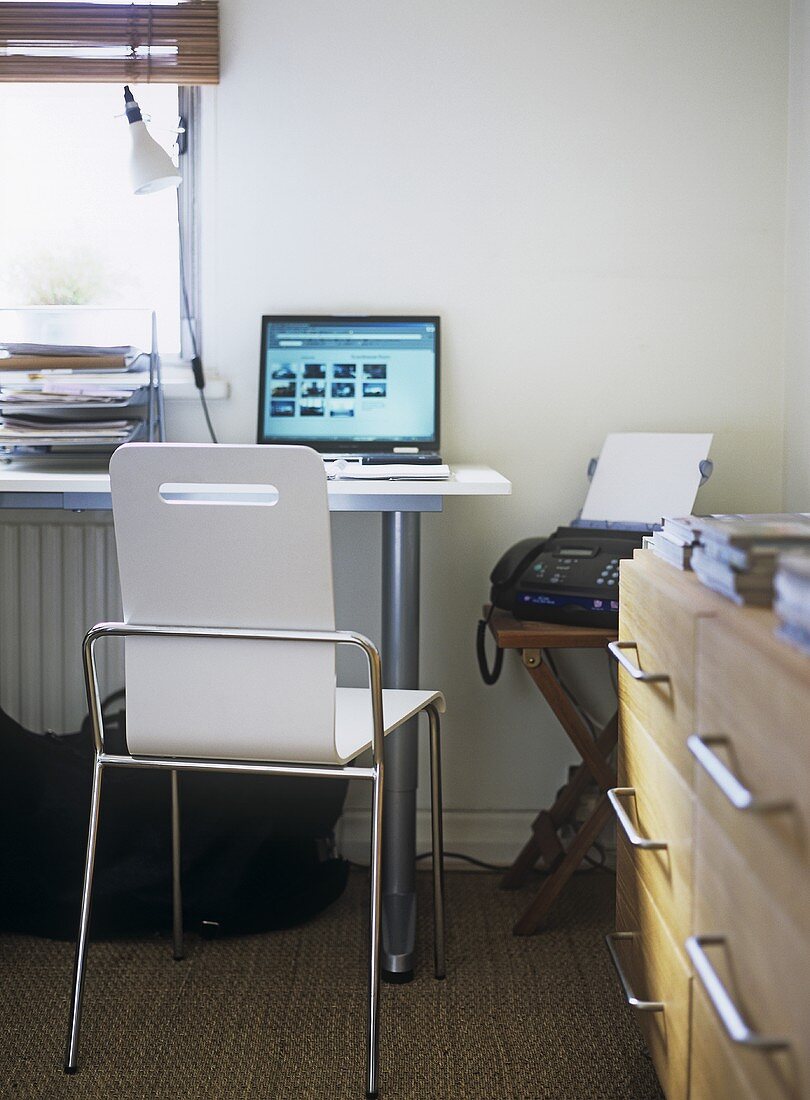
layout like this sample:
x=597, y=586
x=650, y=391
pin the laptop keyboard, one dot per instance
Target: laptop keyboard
x=428, y=458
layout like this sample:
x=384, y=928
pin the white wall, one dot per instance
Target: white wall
x=592, y=197
x=797, y=466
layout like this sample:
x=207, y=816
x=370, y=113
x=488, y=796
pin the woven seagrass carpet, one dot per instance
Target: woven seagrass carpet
x=282, y=1015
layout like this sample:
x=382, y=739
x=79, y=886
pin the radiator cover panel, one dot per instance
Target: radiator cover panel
x=58, y=576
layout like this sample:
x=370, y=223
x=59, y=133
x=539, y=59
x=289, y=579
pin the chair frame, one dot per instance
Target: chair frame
x=374, y=774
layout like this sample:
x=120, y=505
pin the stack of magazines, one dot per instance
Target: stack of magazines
x=675, y=540
x=791, y=585
x=56, y=396
x=736, y=555
x=68, y=357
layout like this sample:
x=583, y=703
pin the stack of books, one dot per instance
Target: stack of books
x=791, y=586
x=737, y=555
x=57, y=396
x=674, y=541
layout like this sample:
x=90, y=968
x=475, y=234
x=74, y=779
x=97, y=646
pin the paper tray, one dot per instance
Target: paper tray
x=9, y=408
x=24, y=448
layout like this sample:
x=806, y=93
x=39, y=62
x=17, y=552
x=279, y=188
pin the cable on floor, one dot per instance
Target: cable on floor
x=599, y=864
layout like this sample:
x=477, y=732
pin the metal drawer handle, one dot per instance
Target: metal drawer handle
x=736, y=1027
x=737, y=794
x=636, y=672
x=643, y=1006
x=638, y=841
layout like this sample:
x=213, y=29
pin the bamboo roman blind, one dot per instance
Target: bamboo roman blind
x=116, y=43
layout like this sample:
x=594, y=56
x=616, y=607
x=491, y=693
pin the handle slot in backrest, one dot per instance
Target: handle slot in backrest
x=182, y=492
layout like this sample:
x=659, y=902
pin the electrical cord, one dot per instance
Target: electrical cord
x=494, y=867
x=499, y=868
x=196, y=361
x=207, y=416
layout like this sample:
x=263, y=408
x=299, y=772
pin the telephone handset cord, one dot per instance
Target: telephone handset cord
x=488, y=675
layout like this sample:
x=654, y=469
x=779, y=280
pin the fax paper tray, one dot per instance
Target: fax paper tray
x=614, y=525
x=634, y=454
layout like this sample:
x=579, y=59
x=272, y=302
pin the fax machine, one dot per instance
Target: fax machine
x=573, y=576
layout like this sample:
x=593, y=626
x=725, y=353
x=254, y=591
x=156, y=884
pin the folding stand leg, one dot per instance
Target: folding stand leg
x=571, y=722
x=532, y=917
x=544, y=842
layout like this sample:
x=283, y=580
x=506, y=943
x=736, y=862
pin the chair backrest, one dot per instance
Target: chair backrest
x=226, y=536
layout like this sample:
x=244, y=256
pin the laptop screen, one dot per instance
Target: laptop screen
x=350, y=384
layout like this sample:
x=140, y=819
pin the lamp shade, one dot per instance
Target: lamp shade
x=150, y=166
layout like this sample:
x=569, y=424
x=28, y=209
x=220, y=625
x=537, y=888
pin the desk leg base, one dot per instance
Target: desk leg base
x=392, y=977
x=398, y=937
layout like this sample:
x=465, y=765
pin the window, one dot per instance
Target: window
x=71, y=231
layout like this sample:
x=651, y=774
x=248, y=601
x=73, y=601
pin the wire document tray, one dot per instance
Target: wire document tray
x=102, y=389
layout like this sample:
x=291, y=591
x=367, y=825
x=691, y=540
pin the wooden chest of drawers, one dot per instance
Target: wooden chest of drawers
x=713, y=860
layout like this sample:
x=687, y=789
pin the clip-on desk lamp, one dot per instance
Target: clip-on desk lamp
x=152, y=169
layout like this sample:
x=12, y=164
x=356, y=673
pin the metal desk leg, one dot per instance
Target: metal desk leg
x=400, y=653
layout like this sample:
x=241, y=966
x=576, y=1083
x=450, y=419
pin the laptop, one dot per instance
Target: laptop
x=363, y=388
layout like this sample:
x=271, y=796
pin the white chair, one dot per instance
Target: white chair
x=230, y=645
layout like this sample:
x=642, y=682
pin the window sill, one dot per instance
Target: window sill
x=178, y=382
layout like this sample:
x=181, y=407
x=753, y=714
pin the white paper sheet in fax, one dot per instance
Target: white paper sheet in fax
x=642, y=476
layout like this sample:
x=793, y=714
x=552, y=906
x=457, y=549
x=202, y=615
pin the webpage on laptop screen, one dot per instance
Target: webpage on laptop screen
x=359, y=381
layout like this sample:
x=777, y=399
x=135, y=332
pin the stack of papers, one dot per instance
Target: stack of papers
x=70, y=391
x=42, y=431
x=50, y=408
x=344, y=469
x=71, y=357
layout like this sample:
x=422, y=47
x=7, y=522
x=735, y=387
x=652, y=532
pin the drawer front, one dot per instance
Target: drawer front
x=753, y=721
x=715, y=1073
x=658, y=611
x=762, y=963
x=655, y=969
x=661, y=810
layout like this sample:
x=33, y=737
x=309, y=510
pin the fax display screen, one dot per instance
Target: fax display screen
x=362, y=381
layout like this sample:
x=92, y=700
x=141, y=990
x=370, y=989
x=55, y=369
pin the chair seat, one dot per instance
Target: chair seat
x=353, y=723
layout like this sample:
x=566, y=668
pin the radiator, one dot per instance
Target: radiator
x=58, y=576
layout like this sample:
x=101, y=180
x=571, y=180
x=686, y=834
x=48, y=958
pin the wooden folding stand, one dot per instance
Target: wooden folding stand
x=544, y=843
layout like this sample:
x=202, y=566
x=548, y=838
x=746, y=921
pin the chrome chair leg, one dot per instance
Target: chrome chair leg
x=72, y=1053
x=438, y=841
x=177, y=894
x=374, y=958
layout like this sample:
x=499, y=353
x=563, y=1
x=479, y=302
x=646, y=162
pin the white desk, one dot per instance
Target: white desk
x=73, y=487
x=39, y=485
